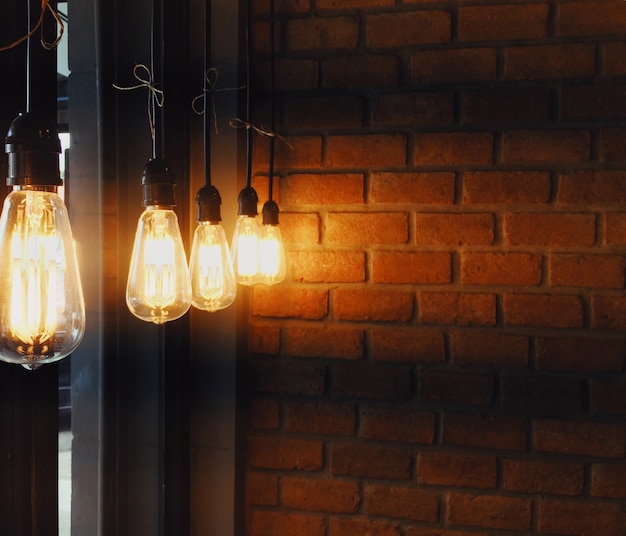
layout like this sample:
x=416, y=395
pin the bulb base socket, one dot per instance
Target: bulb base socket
x=270, y=213
x=208, y=203
x=33, y=147
x=158, y=183
x=248, y=201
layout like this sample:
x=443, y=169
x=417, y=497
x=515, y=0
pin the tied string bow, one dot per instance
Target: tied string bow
x=48, y=45
x=155, y=95
x=211, y=76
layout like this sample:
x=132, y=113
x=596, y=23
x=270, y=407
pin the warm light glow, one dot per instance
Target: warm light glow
x=246, y=250
x=272, y=256
x=42, y=313
x=158, y=288
x=212, y=277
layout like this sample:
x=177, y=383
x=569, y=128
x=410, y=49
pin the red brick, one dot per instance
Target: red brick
x=490, y=349
x=265, y=414
x=351, y=4
x=615, y=58
x=572, y=355
x=443, y=386
x=486, y=432
x=566, y=145
x=457, y=308
x=607, y=480
x=422, y=268
x=506, y=513
x=593, y=103
x=264, y=339
x=447, y=148
x=584, y=438
x=455, y=229
x=608, y=312
x=290, y=454
x=372, y=70
x=412, y=188
x=370, y=461
x=506, y=187
x=371, y=382
x=580, y=518
x=261, y=36
x=292, y=152
x=261, y=489
x=493, y=106
x=332, y=188
x=419, y=531
x=590, y=271
x=541, y=393
x=285, y=302
x=321, y=113
x=277, y=376
x=615, y=228
x=608, y=396
x=503, y=22
x=327, y=266
x=407, y=345
x=367, y=150
x=409, y=28
x=320, y=418
x=262, y=7
x=406, y=503
x=453, y=65
x=398, y=424
x=593, y=188
x=320, y=495
x=269, y=523
x=591, y=17
x=324, y=341
x=550, y=229
x=316, y=33
x=461, y=470
x=301, y=229
x=291, y=74
x=543, y=310
x=500, y=268
x=530, y=476
x=613, y=144
x=364, y=229
x=415, y=109
x=373, y=305
x=550, y=62
x=359, y=527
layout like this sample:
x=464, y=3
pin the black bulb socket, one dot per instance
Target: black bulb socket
x=208, y=202
x=270, y=213
x=248, y=201
x=33, y=147
x=158, y=183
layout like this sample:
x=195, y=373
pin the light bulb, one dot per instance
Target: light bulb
x=158, y=288
x=246, y=250
x=273, y=266
x=212, y=277
x=42, y=312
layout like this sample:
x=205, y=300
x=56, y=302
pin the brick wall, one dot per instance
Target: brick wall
x=447, y=356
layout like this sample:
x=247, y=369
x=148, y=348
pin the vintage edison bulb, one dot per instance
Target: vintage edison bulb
x=246, y=250
x=213, y=281
x=42, y=312
x=273, y=266
x=158, y=288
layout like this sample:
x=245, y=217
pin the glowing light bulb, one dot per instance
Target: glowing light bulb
x=42, y=312
x=273, y=266
x=158, y=288
x=246, y=250
x=212, y=277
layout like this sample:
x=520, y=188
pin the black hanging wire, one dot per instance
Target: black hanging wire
x=248, y=198
x=208, y=199
x=270, y=208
